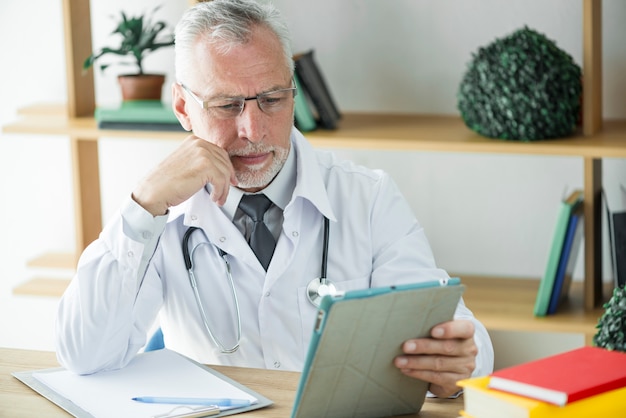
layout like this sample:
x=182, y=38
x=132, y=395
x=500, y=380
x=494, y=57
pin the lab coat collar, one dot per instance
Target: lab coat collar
x=309, y=183
x=201, y=212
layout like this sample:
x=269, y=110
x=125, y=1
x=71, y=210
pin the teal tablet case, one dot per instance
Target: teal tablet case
x=349, y=370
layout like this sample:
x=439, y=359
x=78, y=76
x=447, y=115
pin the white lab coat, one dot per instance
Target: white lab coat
x=375, y=240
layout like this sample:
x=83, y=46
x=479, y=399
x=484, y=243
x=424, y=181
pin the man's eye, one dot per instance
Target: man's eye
x=229, y=106
x=271, y=101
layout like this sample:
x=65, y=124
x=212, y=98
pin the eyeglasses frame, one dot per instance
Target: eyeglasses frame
x=204, y=104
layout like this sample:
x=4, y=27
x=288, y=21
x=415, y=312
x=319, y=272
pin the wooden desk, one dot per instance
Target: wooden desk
x=18, y=400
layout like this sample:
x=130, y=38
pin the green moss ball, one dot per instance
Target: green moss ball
x=521, y=87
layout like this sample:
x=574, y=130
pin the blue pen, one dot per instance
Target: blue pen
x=222, y=402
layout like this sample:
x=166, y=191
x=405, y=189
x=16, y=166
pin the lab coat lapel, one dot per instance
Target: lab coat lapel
x=203, y=213
x=286, y=244
x=309, y=182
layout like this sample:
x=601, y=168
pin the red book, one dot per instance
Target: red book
x=565, y=377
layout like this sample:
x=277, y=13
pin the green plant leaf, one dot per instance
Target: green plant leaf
x=139, y=37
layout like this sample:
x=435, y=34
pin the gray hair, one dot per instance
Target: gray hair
x=228, y=22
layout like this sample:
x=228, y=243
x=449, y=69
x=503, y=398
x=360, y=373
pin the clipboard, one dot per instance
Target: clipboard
x=349, y=370
x=161, y=372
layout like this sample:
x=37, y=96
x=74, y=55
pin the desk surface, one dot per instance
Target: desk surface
x=18, y=400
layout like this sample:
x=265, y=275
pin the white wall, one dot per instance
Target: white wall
x=487, y=214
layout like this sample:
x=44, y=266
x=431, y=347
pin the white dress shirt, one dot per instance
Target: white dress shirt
x=135, y=271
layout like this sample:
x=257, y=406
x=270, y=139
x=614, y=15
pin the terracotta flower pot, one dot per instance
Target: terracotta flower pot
x=141, y=86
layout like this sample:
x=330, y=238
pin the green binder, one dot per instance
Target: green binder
x=138, y=115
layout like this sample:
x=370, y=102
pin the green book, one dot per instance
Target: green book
x=305, y=121
x=567, y=208
x=138, y=114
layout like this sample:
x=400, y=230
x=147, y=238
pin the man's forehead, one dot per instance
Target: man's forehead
x=247, y=76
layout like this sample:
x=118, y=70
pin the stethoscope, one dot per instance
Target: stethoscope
x=315, y=290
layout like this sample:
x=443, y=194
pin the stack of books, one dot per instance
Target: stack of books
x=315, y=106
x=150, y=115
x=556, y=281
x=581, y=383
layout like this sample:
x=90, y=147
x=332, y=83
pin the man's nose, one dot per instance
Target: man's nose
x=251, y=121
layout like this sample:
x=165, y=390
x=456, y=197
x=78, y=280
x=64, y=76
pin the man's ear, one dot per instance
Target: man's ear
x=178, y=105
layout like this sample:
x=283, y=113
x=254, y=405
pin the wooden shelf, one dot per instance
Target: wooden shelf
x=42, y=287
x=449, y=134
x=360, y=131
x=48, y=286
x=501, y=304
x=54, y=260
x=506, y=304
x=53, y=120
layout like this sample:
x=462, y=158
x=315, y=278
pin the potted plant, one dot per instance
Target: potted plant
x=140, y=36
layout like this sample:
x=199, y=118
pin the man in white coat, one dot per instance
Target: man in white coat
x=235, y=93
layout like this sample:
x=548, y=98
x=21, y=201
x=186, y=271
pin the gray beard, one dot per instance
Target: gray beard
x=260, y=179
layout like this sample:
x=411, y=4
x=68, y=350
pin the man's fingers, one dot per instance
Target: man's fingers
x=456, y=347
x=461, y=329
x=436, y=363
x=190, y=167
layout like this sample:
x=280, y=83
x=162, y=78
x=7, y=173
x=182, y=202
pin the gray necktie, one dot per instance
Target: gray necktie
x=262, y=241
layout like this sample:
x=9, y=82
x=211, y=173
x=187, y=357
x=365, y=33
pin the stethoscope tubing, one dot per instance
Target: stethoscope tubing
x=188, y=258
x=313, y=288
x=324, y=267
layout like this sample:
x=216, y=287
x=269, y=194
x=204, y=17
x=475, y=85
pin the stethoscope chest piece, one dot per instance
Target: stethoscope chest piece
x=318, y=288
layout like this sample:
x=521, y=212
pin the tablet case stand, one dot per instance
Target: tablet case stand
x=349, y=371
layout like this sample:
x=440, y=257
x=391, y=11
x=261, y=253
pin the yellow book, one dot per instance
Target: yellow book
x=482, y=402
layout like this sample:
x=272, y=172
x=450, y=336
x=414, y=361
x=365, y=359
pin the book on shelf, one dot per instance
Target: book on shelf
x=619, y=249
x=150, y=115
x=563, y=378
x=567, y=207
x=315, y=87
x=479, y=401
x=567, y=262
x=617, y=236
x=303, y=117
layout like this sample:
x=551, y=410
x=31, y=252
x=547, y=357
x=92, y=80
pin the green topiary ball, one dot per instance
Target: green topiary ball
x=612, y=325
x=521, y=87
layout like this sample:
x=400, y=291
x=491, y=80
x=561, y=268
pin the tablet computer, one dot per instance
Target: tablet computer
x=349, y=370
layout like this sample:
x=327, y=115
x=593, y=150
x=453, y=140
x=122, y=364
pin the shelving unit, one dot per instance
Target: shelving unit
x=597, y=140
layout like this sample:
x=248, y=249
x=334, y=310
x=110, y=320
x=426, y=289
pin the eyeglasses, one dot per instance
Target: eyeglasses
x=270, y=103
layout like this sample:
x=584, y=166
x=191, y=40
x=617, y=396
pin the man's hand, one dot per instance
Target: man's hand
x=449, y=356
x=189, y=168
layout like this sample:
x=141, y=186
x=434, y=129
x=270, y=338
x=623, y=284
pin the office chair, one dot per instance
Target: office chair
x=155, y=342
